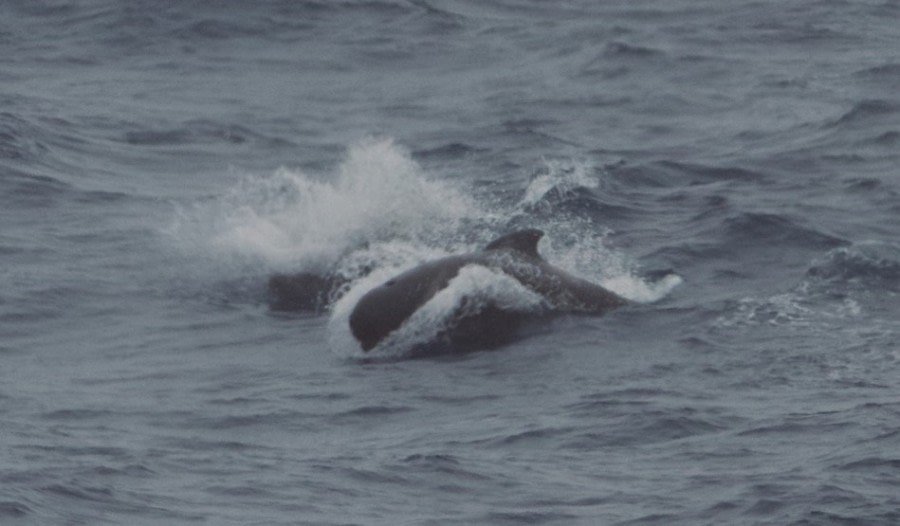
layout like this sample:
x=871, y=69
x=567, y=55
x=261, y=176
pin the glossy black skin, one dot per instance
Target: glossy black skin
x=384, y=309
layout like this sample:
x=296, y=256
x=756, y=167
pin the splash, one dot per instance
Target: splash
x=378, y=213
x=584, y=253
x=292, y=221
x=640, y=290
x=559, y=178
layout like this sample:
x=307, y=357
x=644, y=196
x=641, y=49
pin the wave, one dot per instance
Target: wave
x=451, y=151
x=871, y=265
x=887, y=71
x=21, y=189
x=846, y=299
x=750, y=228
x=201, y=131
x=578, y=201
x=42, y=159
x=868, y=112
x=622, y=50
x=651, y=180
x=794, y=309
x=14, y=509
x=835, y=287
x=558, y=181
x=18, y=139
x=582, y=198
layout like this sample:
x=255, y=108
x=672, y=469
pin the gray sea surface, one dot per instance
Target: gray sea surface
x=159, y=161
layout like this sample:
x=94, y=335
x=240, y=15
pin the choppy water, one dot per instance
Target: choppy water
x=159, y=160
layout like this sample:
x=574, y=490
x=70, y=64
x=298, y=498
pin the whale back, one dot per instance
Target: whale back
x=516, y=255
x=385, y=308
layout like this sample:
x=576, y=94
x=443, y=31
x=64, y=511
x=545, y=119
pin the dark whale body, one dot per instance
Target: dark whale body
x=385, y=308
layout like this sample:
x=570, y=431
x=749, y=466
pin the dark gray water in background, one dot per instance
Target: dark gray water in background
x=159, y=160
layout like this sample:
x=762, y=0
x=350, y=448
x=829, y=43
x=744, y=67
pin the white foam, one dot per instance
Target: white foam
x=289, y=220
x=562, y=176
x=587, y=257
x=639, y=290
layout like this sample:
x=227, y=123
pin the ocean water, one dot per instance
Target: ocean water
x=160, y=160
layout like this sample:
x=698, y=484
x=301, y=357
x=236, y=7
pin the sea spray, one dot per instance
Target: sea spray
x=575, y=242
x=289, y=220
x=378, y=213
x=559, y=177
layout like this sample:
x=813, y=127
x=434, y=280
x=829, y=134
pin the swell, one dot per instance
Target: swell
x=867, y=130
x=707, y=205
x=773, y=231
x=19, y=189
x=35, y=158
x=197, y=132
x=873, y=266
x=868, y=112
x=113, y=31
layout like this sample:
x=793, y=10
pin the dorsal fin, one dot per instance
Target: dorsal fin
x=524, y=241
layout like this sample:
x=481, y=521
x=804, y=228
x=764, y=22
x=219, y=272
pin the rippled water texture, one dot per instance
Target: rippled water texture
x=729, y=167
